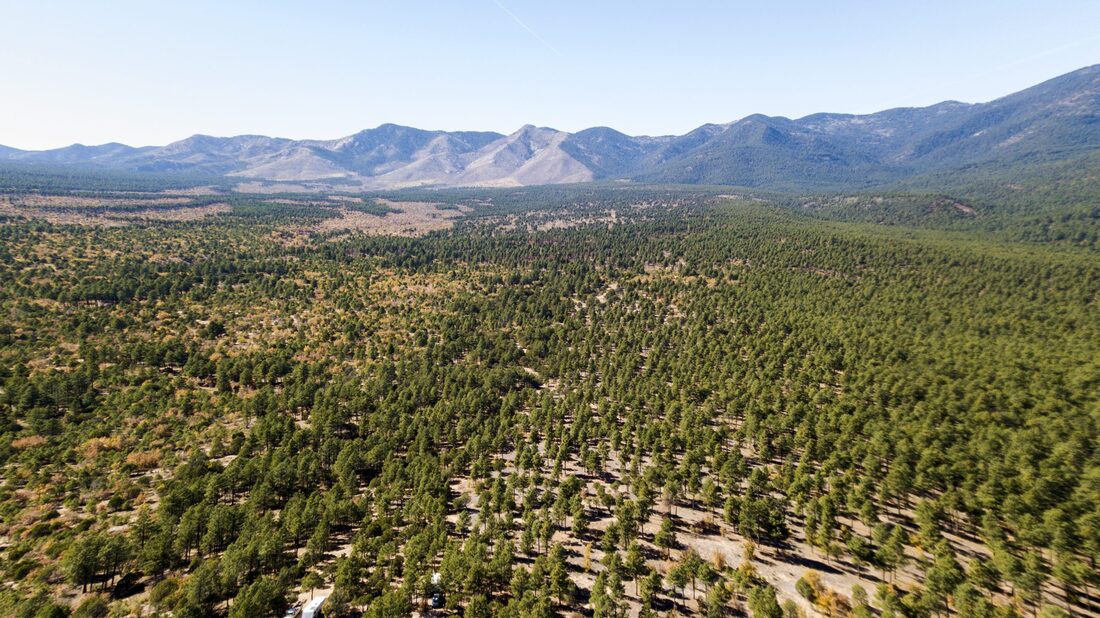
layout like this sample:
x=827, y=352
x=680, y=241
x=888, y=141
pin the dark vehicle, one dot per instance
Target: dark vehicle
x=437, y=600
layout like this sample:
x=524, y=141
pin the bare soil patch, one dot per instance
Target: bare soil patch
x=45, y=210
x=412, y=219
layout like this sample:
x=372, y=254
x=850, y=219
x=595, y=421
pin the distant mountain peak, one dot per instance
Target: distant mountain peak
x=1057, y=118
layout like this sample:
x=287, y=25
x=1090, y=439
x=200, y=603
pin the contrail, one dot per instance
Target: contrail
x=1046, y=52
x=1002, y=67
x=528, y=28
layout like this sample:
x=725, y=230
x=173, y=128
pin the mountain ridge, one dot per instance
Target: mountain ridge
x=1053, y=120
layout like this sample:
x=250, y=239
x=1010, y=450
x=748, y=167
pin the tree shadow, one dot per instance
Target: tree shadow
x=127, y=586
x=811, y=563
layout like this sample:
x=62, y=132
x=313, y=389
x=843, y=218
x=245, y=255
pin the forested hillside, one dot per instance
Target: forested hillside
x=572, y=401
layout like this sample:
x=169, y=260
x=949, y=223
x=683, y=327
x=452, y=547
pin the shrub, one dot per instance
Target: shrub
x=162, y=594
x=792, y=610
x=94, y=606
x=805, y=589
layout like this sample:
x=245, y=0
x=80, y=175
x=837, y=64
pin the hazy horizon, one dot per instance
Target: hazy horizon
x=145, y=74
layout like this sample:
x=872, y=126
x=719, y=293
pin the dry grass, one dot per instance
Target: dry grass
x=27, y=442
x=268, y=187
x=144, y=460
x=93, y=447
x=42, y=207
x=190, y=213
x=68, y=201
x=412, y=219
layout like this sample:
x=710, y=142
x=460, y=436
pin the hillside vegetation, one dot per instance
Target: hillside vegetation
x=574, y=400
x=1053, y=122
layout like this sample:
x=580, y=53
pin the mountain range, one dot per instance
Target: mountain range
x=1054, y=121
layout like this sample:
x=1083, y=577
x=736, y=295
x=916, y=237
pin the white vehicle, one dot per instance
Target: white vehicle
x=313, y=608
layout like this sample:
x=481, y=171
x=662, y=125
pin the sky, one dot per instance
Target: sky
x=149, y=72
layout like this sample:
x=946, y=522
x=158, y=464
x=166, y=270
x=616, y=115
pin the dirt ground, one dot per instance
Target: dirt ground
x=45, y=208
x=407, y=218
x=413, y=219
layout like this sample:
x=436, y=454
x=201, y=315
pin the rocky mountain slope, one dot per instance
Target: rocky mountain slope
x=1053, y=121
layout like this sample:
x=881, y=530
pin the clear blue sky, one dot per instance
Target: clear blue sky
x=153, y=71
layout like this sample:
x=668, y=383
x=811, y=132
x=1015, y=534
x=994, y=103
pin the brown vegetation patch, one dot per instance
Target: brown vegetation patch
x=412, y=219
x=187, y=213
x=144, y=460
x=263, y=187
x=93, y=447
x=27, y=442
x=69, y=201
x=38, y=207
